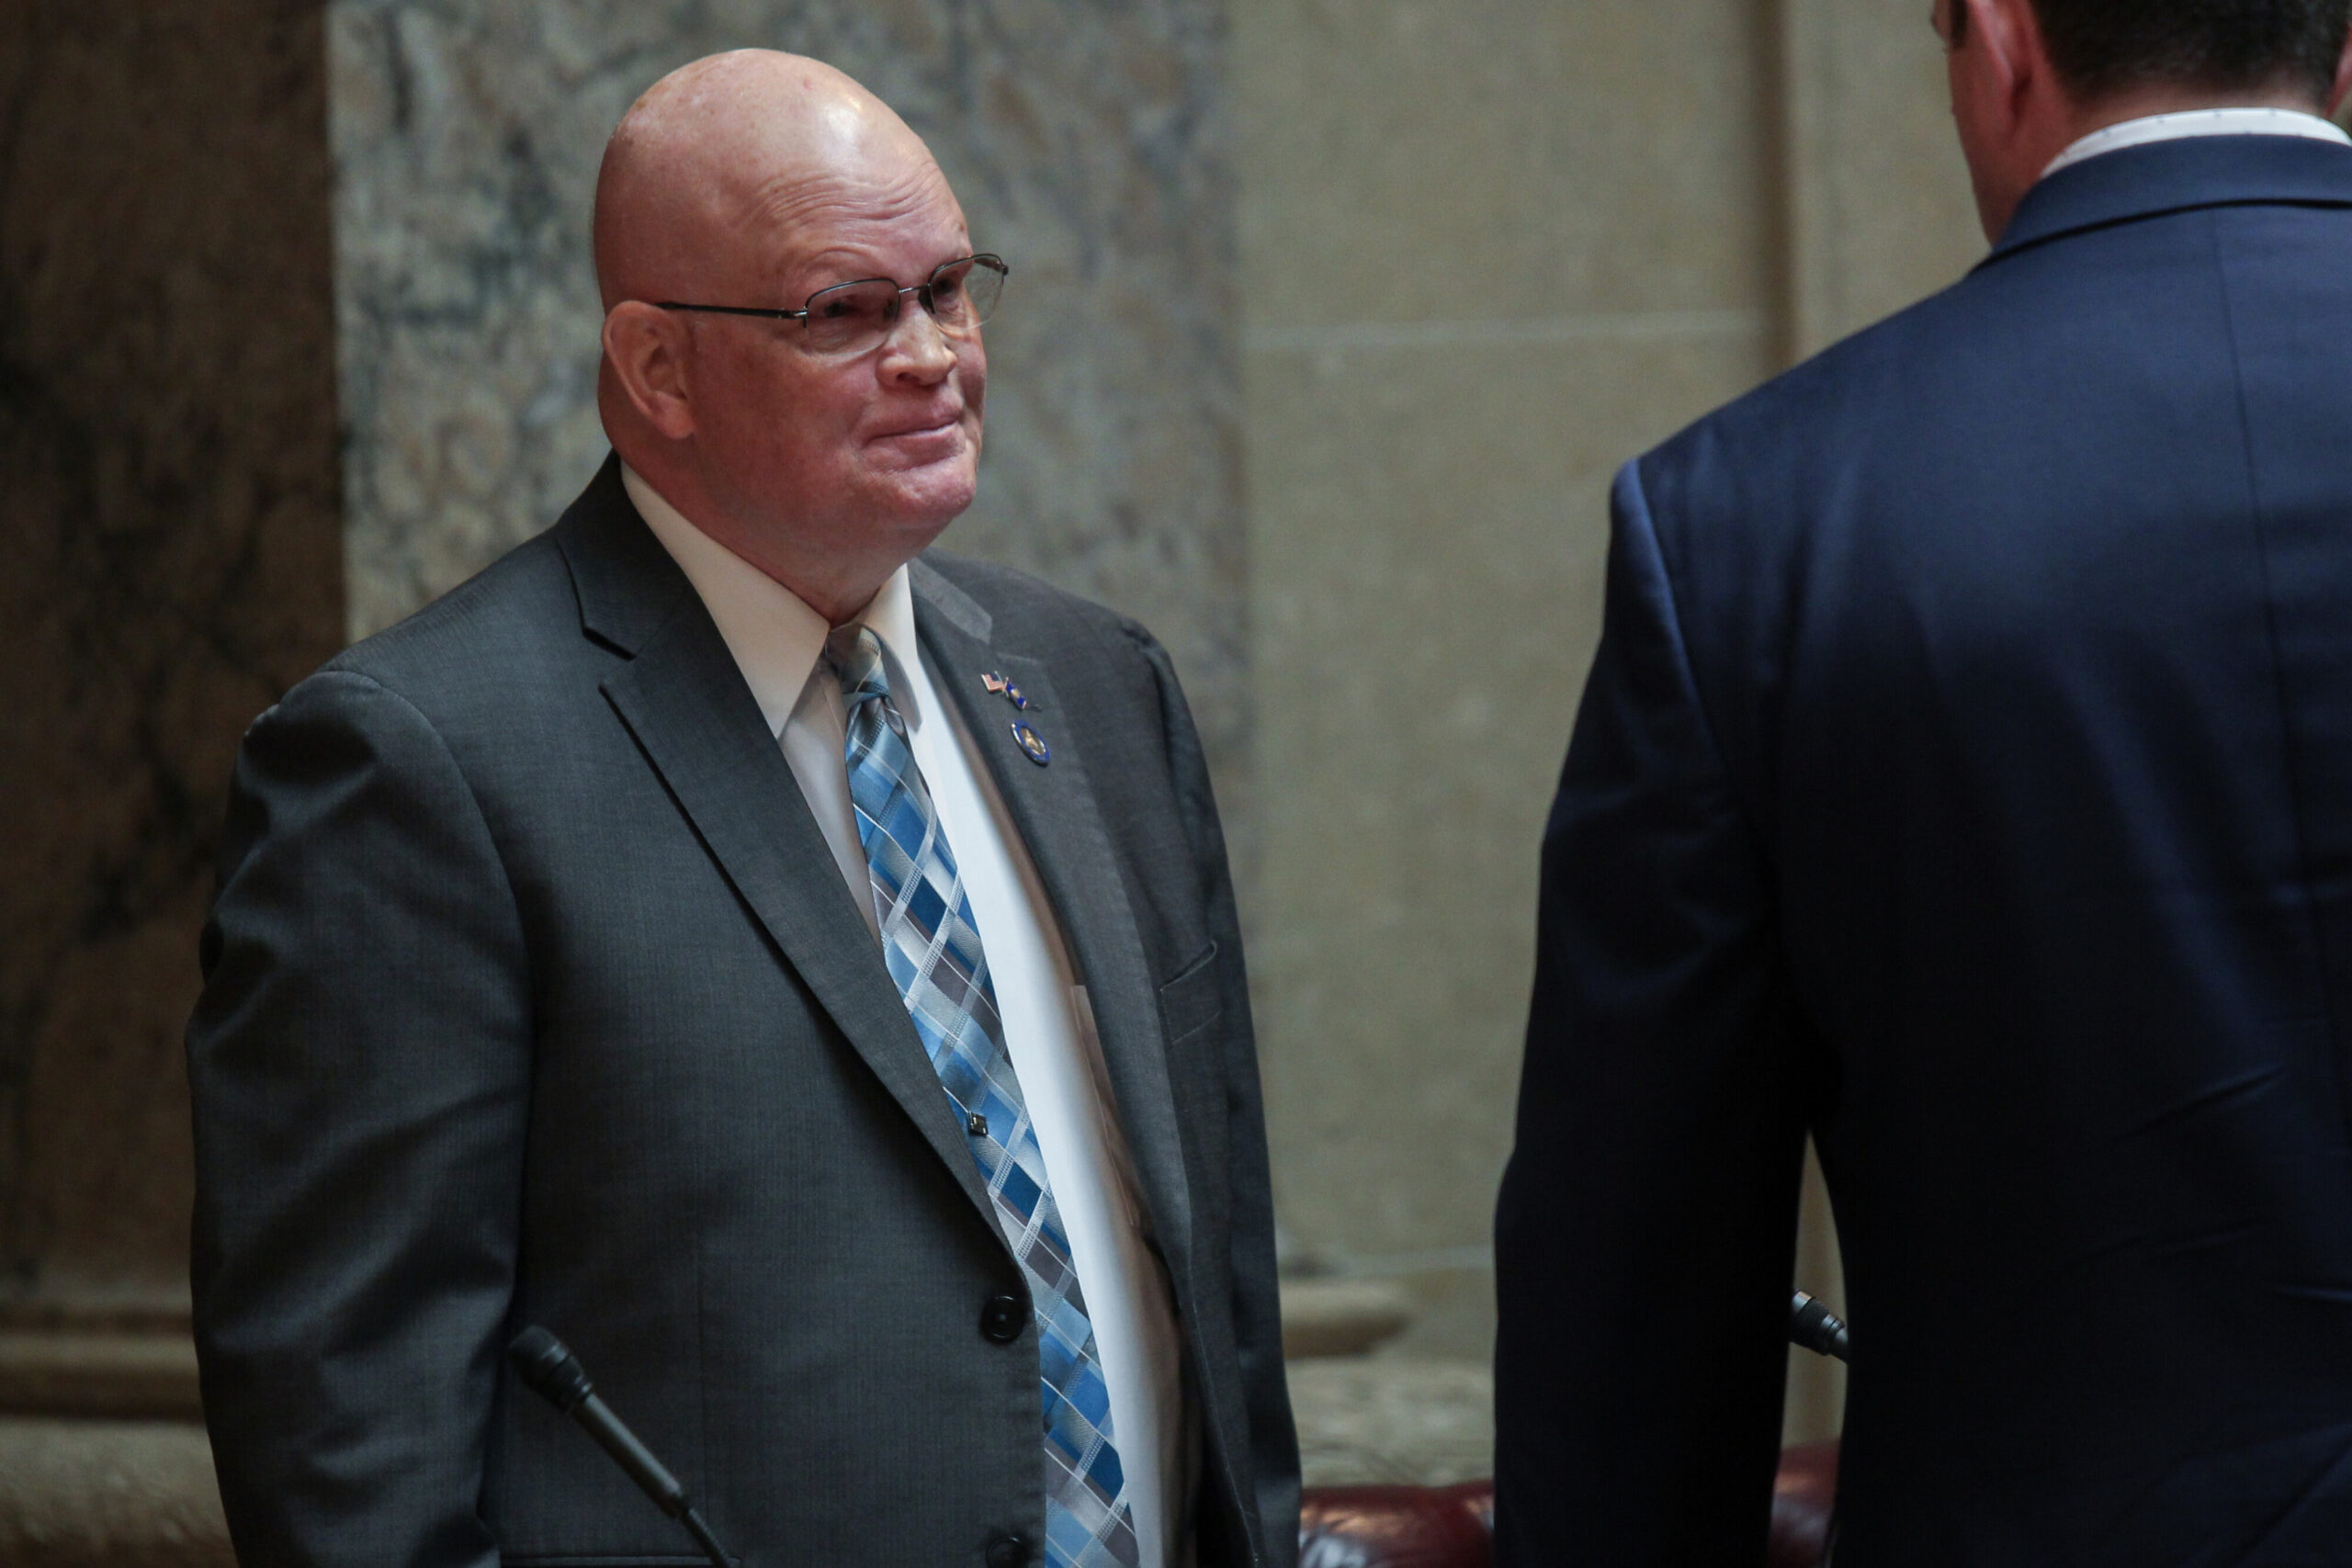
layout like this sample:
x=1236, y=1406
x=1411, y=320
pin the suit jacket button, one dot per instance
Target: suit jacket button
x=1000, y=1320
x=1007, y=1551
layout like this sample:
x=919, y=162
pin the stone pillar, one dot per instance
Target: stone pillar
x=169, y=562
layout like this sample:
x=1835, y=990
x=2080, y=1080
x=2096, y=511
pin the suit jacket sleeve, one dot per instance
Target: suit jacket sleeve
x=360, y=1062
x=1645, y=1235
x=1256, y=1308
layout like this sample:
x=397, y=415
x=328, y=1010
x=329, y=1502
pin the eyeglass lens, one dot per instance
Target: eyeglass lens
x=855, y=315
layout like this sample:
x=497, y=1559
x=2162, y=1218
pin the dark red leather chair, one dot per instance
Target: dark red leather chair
x=1397, y=1527
x=1453, y=1527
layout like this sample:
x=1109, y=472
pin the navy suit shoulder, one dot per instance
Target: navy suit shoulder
x=2121, y=349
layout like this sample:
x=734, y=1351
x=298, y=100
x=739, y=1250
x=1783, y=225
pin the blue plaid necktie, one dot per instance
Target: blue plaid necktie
x=933, y=950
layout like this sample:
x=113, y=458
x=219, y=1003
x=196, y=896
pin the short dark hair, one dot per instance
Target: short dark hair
x=2101, y=47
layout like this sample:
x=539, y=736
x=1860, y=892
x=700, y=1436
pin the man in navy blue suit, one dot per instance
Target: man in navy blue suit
x=1965, y=776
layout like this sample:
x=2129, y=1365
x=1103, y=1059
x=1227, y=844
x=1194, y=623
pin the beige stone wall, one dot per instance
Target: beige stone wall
x=1876, y=193
x=1489, y=253
x=1480, y=268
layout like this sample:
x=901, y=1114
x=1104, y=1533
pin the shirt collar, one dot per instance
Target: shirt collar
x=890, y=616
x=776, y=637
x=2198, y=122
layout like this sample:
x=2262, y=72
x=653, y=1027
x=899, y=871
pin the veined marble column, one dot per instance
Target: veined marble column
x=169, y=562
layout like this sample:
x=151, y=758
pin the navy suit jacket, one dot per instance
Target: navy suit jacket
x=1966, y=775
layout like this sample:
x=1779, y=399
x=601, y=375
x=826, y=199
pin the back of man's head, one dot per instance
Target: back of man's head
x=2101, y=48
x=2031, y=78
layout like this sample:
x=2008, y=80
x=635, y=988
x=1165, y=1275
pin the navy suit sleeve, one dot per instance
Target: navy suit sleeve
x=360, y=1065
x=1645, y=1235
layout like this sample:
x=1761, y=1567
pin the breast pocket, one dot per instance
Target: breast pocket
x=1190, y=1002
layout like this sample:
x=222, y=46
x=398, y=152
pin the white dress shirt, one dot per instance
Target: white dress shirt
x=2198, y=122
x=777, y=641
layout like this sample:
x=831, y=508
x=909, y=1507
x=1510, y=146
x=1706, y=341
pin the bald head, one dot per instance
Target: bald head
x=725, y=159
x=741, y=186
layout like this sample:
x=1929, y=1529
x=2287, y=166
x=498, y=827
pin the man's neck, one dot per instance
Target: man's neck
x=836, y=590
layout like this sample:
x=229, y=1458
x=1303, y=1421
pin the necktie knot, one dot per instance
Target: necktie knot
x=854, y=654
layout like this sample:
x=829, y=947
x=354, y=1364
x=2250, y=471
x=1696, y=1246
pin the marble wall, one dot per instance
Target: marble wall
x=1086, y=143
x=169, y=562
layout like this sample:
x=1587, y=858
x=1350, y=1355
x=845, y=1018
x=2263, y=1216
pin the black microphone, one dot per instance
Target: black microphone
x=1816, y=1328
x=553, y=1371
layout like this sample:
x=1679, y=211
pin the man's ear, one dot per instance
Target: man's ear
x=2009, y=36
x=2339, y=99
x=650, y=350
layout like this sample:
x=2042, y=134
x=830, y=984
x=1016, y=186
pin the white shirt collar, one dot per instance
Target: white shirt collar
x=776, y=637
x=2198, y=122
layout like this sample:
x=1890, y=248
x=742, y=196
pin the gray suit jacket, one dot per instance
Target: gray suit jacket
x=533, y=995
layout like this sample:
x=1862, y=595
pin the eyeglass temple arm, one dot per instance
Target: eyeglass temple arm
x=729, y=309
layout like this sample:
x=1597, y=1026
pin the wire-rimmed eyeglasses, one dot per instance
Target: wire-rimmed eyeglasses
x=850, y=318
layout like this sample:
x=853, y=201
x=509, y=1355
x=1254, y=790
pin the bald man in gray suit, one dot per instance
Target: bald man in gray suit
x=799, y=969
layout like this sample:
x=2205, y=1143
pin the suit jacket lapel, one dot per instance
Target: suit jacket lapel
x=686, y=702
x=1054, y=807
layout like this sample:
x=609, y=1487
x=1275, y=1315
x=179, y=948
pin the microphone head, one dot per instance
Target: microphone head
x=1816, y=1328
x=550, y=1367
